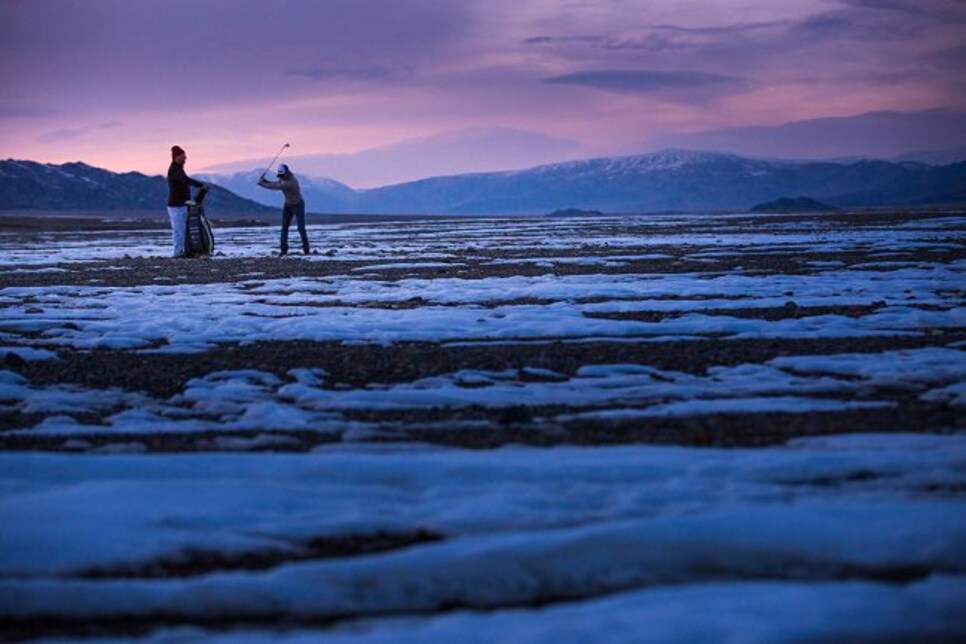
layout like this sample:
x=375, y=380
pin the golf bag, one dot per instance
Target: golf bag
x=199, y=240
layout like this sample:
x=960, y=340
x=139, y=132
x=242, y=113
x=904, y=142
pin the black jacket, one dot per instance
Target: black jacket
x=179, y=185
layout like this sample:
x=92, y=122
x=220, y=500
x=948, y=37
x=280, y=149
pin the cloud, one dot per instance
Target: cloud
x=678, y=37
x=756, y=44
x=364, y=73
x=677, y=85
x=945, y=10
x=902, y=6
x=846, y=47
x=556, y=40
x=765, y=37
x=242, y=49
x=953, y=58
x=877, y=134
x=11, y=110
x=68, y=134
x=844, y=26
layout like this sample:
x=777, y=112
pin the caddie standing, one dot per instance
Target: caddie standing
x=179, y=192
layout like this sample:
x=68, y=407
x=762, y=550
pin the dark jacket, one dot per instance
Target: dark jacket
x=179, y=185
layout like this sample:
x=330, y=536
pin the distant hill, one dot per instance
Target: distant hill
x=669, y=180
x=575, y=212
x=26, y=185
x=676, y=180
x=878, y=135
x=321, y=194
x=944, y=156
x=793, y=204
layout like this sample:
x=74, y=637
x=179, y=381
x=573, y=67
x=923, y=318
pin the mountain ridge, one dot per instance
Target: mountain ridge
x=882, y=134
x=30, y=185
x=672, y=179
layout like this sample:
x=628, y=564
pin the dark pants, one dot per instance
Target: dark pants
x=294, y=210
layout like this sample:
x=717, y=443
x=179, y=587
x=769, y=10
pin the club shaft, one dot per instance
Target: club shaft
x=275, y=159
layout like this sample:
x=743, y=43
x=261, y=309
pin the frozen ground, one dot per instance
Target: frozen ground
x=255, y=448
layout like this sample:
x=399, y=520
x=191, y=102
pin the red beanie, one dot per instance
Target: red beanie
x=176, y=150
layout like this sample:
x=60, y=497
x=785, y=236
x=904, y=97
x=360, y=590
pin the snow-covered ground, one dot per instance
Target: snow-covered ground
x=253, y=399
x=422, y=240
x=850, y=537
x=825, y=539
x=328, y=308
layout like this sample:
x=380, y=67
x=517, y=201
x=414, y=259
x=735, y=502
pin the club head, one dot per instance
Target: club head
x=285, y=146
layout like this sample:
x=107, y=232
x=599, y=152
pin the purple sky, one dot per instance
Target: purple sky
x=116, y=82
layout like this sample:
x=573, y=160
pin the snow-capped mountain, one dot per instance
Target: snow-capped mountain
x=672, y=180
x=27, y=185
x=321, y=194
x=665, y=160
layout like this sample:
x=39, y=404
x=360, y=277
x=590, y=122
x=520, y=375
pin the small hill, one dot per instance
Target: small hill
x=792, y=205
x=944, y=156
x=575, y=212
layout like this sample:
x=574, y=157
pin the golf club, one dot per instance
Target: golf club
x=274, y=160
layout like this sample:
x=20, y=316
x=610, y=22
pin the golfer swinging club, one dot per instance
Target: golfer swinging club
x=294, y=205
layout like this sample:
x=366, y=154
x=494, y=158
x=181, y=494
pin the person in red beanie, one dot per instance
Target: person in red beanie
x=179, y=192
